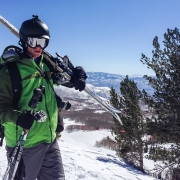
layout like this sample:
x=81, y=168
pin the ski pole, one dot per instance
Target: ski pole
x=11, y=160
x=22, y=142
x=18, y=145
x=21, y=147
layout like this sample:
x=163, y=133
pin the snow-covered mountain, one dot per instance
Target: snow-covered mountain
x=81, y=100
x=101, y=79
x=72, y=93
x=100, y=83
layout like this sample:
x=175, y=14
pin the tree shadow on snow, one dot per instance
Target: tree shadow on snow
x=121, y=163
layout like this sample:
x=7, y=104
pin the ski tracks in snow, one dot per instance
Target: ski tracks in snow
x=83, y=161
x=83, y=164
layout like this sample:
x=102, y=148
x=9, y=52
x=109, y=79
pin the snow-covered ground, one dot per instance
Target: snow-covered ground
x=83, y=161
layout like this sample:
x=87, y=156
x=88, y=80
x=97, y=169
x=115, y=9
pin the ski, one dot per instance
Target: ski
x=104, y=103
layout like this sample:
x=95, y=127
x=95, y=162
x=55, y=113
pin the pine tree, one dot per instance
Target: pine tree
x=129, y=137
x=165, y=102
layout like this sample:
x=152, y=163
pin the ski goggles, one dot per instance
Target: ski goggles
x=34, y=42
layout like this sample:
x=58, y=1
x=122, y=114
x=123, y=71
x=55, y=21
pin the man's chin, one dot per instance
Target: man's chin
x=36, y=55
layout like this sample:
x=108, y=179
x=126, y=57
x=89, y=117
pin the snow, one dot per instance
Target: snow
x=99, y=111
x=83, y=161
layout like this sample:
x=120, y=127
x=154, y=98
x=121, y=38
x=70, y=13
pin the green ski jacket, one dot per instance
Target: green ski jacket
x=32, y=78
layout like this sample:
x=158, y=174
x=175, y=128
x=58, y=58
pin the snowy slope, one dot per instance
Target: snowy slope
x=83, y=161
x=72, y=93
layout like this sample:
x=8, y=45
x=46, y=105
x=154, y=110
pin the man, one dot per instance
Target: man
x=41, y=154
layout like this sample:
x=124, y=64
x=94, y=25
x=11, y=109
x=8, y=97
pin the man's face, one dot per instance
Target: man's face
x=35, y=52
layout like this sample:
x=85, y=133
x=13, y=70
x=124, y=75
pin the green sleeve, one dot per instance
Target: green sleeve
x=7, y=113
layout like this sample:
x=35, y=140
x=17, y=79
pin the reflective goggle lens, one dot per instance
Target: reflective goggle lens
x=33, y=42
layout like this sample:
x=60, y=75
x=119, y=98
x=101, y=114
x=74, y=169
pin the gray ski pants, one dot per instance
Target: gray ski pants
x=42, y=162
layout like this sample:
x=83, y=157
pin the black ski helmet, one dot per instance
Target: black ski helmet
x=33, y=28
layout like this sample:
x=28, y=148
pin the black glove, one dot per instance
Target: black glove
x=25, y=120
x=78, y=80
x=61, y=104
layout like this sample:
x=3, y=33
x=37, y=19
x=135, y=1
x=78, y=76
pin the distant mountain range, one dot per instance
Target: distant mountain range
x=100, y=83
x=101, y=79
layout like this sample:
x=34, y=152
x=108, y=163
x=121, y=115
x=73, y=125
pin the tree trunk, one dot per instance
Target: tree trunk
x=141, y=163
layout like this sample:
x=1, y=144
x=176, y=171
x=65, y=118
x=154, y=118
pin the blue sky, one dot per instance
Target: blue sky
x=99, y=35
